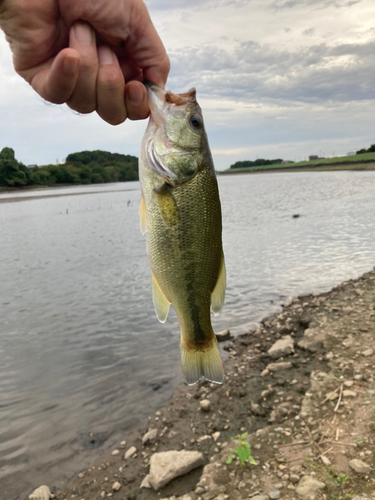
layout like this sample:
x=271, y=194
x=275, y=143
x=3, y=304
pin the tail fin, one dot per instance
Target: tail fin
x=206, y=364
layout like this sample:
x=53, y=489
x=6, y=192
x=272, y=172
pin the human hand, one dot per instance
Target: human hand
x=91, y=54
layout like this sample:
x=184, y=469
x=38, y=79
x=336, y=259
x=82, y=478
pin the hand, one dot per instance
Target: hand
x=91, y=54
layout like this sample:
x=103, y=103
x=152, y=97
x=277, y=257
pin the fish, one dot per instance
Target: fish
x=180, y=213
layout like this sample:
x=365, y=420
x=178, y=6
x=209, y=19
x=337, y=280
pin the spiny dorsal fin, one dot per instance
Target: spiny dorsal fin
x=161, y=303
x=142, y=216
x=218, y=294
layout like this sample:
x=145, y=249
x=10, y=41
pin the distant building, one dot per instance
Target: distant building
x=32, y=166
x=313, y=157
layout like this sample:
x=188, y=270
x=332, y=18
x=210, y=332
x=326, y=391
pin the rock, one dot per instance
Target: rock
x=130, y=452
x=188, y=496
x=288, y=302
x=359, y=466
x=115, y=452
x=145, y=482
x=205, y=405
x=167, y=465
x=294, y=478
x=41, y=493
x=349, y=394
x=274, y=367
x=223, y=336
x=359, y=498
x=216, y=435
x=312, y=340
x=367, y=352
x=348, y=383
x=325, y=460
x=274, y=495
x=116, y=486
x=150, y=436
x=282, y=347
x=260, y=497
x=308, y=487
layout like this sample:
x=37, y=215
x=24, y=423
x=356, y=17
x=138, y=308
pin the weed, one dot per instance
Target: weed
x=242, y=452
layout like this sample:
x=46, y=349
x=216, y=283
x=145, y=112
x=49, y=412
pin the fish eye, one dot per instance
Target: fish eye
x=196, y=121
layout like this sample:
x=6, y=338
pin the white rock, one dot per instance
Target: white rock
x=115, y=452
x=348, y=383
x=367, y=352
x=349, y=394
x=130, y=452
x=223, y=336
x=325, y=460
x=205, y=405
x=145, y=482
x=203, y=438
x=359, y=466
x=116, y=486
x=150, y=436
x=260, y=497
x=167, y=465
x=41, y=493
x=288, y=302
x=216, y=435
x=282, y=347
x=274, y=367
x=308, y=487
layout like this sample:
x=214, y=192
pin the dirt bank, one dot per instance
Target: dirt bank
x=308, y=415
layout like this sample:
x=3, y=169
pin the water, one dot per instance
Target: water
x=80, y=346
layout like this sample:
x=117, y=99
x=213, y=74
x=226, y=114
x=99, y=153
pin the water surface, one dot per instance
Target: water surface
x=80, y=346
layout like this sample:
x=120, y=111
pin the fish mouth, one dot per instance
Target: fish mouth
x=162, y=102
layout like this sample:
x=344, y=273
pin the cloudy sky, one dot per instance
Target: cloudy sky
x=275, y=78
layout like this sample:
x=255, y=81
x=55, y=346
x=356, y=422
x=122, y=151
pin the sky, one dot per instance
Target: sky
x=275, y=79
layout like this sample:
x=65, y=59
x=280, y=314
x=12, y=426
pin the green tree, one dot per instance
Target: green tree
x=11, y=173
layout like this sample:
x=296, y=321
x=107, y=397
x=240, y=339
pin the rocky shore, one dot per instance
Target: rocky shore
x=300, y=384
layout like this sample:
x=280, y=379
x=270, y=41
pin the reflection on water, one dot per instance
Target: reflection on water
x=80, y=346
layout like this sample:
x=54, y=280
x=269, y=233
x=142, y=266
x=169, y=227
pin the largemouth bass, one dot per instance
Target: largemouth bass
x=180, y=213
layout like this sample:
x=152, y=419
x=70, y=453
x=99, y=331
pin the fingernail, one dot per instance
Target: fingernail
x=71, y=63
x=84, y=33
x=105, y=54
x=135, y=94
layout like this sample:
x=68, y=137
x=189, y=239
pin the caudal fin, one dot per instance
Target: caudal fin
x=197, y=364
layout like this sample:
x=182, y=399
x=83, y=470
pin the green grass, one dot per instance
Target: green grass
x=345, y=163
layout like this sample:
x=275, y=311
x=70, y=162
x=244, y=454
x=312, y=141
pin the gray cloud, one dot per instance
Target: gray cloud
x=256, y=72
x=169, y=5
x=319, y=4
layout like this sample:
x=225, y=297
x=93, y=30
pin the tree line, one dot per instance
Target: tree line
x=371, y=149
x=256, y=163
x=86, y=167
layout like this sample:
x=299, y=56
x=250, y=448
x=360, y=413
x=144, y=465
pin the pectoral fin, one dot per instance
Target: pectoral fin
x=142, y=216
x=167, y=205
x=161, y=303
x=218, y=295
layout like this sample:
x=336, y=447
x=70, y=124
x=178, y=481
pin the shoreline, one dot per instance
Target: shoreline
x=311, y=400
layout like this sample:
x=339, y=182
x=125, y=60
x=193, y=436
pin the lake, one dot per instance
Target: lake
x=81, y=350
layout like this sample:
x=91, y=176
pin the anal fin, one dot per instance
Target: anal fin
x=218, y=294
x=161, y=303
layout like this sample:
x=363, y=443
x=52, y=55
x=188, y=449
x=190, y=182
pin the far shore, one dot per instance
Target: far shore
x=320, y=168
